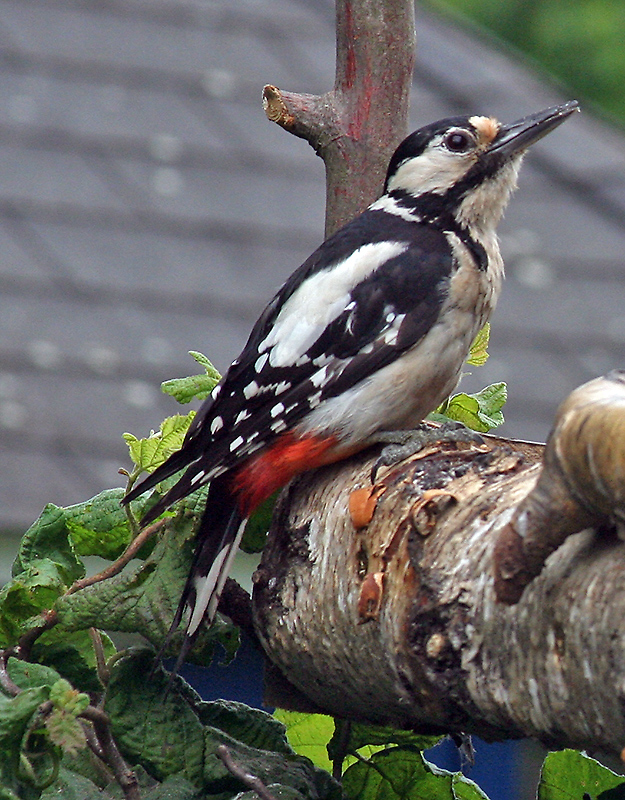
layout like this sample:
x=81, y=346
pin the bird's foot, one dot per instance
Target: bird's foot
x=399, y=445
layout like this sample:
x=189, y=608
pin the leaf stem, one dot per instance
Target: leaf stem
x=344, y=730
x=117, y=566
x=251, y=781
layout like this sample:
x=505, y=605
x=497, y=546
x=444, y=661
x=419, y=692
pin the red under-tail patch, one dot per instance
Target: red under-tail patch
x=265, y=473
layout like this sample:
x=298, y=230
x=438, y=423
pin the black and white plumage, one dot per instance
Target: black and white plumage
x=369, y=334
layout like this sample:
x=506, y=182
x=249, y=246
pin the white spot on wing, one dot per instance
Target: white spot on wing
x=390, y=337
x=236, y=443
x=245, y=414
x=314, y=399
x=320, y=377
x=278, y=426
x=282, y=387
x=260, y=362
x=277, y=409
x=216, y=425
x=251, y=390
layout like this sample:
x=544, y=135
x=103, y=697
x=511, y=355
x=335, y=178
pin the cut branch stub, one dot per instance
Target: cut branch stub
x=311, y=117
x=582, y=484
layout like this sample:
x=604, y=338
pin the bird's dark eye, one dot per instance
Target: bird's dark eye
x=457, y=141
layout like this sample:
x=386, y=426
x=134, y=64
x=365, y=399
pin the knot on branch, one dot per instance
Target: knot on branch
x=582, y=484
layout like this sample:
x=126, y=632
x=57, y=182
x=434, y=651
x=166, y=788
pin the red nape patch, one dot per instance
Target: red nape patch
x=267, y=472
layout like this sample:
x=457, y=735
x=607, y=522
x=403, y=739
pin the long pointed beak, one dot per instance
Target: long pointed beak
x=519, y=135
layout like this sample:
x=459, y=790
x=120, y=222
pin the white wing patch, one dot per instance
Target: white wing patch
x=319, y=301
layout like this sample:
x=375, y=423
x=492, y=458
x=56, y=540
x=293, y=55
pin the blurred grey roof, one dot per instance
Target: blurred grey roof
x=148, y=208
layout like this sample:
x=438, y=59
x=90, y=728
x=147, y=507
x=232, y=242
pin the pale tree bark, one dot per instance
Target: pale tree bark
x=356, y=127
x=397, y=603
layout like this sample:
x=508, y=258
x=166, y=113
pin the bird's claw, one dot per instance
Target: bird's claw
x=399, y=445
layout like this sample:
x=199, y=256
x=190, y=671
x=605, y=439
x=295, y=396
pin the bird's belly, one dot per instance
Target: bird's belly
x=402, y=393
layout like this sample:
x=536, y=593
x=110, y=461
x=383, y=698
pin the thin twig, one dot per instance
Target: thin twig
x=50, y=618
x=117, y=566
x=92, y=741
x=251, y=781
x=124, y=776
x=5, y=680
x=100, y=659
x=25, y=643
x=344, y=729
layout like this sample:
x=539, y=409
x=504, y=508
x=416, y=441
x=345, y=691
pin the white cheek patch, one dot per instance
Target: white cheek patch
x=436, y=170
x=319, y=301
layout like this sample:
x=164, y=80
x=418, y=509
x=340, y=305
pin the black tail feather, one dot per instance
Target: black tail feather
x=217, y=540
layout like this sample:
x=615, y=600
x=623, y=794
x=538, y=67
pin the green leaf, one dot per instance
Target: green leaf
x=65, y=731
x=71, y=654
x=257, y=526
x=478, y=354
x=48, y=538
x=61, y=725
x=159, y=730
x=99, y=526
x=194, y=387
x=28, y=675
x=480, y=412
x=26, y=761
x=66, y=698
x=164, y=732
x=250, y=726
x=71, y=786
x=401, y=773
x=174, y=788
x=144, y=597
x=308, y=735
x=376, y=735
x=24, y=598
x=289, y=776
x=151, y=452
x=568, y=774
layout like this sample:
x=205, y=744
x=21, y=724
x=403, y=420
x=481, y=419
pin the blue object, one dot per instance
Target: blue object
x=495, y=769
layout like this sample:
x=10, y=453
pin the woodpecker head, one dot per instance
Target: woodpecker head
x=466, y=166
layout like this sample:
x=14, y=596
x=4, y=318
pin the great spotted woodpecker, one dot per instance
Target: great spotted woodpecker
x=368, y=335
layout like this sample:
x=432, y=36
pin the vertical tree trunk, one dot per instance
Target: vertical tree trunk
x=356, y=127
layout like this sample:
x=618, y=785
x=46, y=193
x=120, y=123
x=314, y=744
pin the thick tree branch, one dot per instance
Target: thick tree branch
x=582, y=484
x=356, y=127
x=395, y=620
